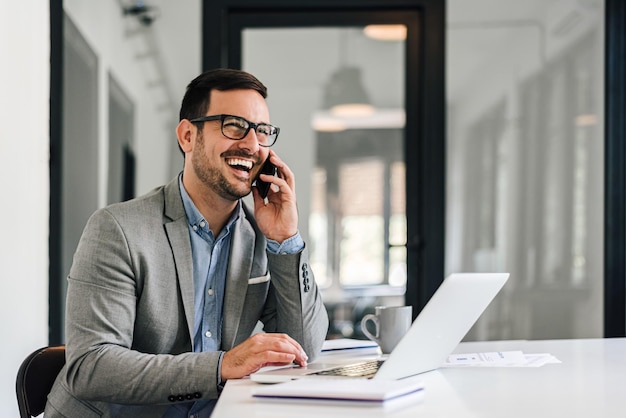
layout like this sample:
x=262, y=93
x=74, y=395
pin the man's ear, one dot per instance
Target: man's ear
x=185, y=132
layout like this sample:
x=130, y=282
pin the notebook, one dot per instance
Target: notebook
x=357, y=392
x=441, y=325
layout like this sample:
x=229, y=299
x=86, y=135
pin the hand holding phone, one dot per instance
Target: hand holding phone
x=276, y=212
x=262, y=186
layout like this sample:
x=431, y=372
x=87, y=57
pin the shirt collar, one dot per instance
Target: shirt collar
x=195, y=218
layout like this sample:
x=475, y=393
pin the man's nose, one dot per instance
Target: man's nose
x=250, y=141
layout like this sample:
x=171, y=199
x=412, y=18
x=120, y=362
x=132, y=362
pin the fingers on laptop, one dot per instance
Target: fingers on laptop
x=260, y=350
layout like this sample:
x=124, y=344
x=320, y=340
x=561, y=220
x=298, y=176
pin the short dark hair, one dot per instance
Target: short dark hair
x=198, y=94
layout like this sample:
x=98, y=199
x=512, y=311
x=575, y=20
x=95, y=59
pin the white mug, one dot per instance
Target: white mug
x=391, y=323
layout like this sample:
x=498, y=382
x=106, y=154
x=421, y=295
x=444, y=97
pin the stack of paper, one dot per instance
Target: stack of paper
x=349, y=346
x=500, y=359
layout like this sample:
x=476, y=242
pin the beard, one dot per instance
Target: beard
x=213, y=178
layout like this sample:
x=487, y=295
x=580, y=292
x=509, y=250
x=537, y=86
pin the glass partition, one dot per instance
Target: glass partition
x=338, y=95
x=525, y=146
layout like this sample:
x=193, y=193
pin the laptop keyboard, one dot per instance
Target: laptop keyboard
x=366, y=369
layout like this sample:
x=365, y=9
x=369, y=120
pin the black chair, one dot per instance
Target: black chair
x=35, y=378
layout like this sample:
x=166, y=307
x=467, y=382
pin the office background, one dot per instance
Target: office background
x=492, y=89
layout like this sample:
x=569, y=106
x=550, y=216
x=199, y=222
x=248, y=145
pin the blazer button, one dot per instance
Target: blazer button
x=307, y=287
x=180, y=398
x=197, y=395
x=189, y=396
x=305, y=266
x=171, y=398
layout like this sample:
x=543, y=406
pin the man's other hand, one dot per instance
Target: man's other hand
x=259, y=351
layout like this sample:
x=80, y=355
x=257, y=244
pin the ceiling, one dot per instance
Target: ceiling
x=478, y=35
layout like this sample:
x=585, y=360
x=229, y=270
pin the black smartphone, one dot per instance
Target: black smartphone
x=267, y=168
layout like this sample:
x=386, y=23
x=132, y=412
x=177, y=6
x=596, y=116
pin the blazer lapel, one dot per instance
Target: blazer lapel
x=177, y=231
x=239, y=267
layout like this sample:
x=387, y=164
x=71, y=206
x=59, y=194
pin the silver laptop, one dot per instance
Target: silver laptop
x=447, y=317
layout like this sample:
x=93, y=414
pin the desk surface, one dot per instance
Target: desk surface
x=588, y=382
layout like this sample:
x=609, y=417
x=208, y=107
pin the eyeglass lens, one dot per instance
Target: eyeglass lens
x=237, y=128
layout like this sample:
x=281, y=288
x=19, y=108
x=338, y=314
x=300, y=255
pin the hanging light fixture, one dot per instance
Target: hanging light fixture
x=345, y=94
x=346, y=103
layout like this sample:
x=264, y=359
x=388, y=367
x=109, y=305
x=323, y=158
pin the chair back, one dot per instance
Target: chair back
x=35, y=378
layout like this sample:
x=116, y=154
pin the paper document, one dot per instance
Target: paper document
x=499, y=359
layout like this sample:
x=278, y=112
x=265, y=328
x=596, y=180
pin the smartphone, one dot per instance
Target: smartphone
x=267, y=168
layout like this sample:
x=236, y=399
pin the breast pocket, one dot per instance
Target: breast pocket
x=260, y=279
x=257, y=291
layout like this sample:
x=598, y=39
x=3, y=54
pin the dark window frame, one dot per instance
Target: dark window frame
x=425, y=183
x=615, y=170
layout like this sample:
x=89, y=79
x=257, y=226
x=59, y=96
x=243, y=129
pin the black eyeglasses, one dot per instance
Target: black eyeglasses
x=236, y=127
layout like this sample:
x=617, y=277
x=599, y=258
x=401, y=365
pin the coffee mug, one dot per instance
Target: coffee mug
x=391, y=323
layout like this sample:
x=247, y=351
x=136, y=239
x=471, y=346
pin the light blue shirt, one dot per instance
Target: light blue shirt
x=210, y=264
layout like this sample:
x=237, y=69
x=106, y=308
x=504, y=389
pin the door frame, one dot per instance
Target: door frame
x=615, y=169
x=223, y=21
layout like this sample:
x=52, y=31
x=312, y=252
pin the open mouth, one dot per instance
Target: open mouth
x=240, y=164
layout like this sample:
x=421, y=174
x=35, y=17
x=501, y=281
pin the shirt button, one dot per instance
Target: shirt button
x=210, y=292
x=202, y=224
x=195, y=227
x=208, y=334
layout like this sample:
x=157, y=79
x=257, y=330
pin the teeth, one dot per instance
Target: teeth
x=237, y=161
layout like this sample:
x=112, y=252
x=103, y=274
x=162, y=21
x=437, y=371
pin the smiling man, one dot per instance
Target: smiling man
x=166, y=290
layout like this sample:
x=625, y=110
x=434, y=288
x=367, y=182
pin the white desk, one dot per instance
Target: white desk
x=590, y=382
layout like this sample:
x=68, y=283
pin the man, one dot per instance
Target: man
x=166, y=290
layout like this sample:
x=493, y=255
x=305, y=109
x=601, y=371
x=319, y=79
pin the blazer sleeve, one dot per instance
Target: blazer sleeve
x=103, y=323
x=294, y=304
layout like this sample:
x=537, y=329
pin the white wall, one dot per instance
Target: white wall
x=24, y=143
x=148, y=64
x=24, y=147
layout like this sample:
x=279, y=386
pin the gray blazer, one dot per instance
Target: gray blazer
x=130, y=309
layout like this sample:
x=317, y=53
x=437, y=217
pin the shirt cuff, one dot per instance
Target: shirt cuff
x=220, y=384
x=291, y=245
